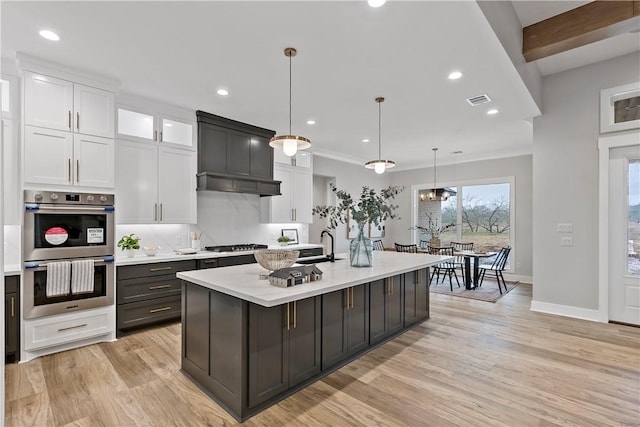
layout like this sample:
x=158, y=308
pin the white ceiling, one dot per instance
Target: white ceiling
x=348, y=53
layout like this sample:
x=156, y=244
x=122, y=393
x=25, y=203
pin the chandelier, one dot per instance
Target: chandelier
x=290, y=144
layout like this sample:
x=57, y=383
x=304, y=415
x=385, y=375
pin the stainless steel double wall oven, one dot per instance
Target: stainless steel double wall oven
x=58, y=227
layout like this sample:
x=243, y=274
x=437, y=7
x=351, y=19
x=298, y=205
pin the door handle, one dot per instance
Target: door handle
x=72, y=327
x=352, y=293
x=160, y=269
x=153, y=288
x=158, y=310
x=78, y=121
x=160, y=136
x=69, y=170
x=288, y=320
x=155, y=211
x=69, y=119
x=160, y=211
x=13, y=307
x=77, y=171
x=155, y=135
x=295, y=314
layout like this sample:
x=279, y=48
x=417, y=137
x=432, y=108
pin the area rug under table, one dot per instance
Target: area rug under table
x=487, y=292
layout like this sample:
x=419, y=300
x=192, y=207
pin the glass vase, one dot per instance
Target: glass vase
x=361, y=250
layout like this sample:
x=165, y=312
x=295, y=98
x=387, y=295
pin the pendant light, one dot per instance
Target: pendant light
x=379, y=165
x=433, y=194
x=290, y=144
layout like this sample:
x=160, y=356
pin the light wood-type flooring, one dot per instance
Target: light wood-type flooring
x=473, y=364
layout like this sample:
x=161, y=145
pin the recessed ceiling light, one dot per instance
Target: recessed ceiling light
x=455, y=75
x=49, y=35
x=492, y=112
x=376, y=3
x=366, y=140
x=311, y=122
x=222, y=92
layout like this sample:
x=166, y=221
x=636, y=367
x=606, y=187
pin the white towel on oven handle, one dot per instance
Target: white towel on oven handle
x=58, y=278
x=82, y=276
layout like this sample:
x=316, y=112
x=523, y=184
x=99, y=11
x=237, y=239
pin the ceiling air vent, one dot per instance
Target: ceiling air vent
x=478, y=99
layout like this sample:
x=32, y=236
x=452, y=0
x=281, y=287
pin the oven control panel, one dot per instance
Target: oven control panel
x=62, y=198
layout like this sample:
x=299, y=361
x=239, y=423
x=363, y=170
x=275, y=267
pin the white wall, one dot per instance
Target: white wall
x=565, y=181
x=519, y=167
x=350, y=178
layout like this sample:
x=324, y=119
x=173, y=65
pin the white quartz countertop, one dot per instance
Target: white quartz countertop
x=141, y=258
x=243, y=281
x=12, y=269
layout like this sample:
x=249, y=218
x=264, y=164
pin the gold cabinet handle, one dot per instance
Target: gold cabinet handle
x=153, y=288
x=288, y=320
x=351, y=294
x=160, y=268
x=346, y=296
x=72, y=327
x=69, y=119
x=78, y=121
x=210, y=261
x=158, y=310
x=295, y=314
x=13, y=307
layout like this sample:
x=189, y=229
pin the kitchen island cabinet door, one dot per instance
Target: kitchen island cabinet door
x=385, y=309
x=358, y=320
x=416, y=296
x=304, y=341
x=334, y=327
x=268, y=352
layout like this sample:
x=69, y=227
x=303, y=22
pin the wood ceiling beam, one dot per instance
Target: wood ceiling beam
x=586, y=24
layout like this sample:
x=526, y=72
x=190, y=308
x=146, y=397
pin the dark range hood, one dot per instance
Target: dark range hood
x=234, y=157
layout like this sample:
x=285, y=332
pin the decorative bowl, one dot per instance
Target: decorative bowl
x=276, y=259
x=150, y=250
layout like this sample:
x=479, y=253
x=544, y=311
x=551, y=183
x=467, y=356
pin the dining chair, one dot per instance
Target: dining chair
x=447, y=268
x=460, y=246
x=406, y=248
x=377, y=245
x=497, y=266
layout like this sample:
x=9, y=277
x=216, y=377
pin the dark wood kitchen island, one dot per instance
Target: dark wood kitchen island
x=249, y=344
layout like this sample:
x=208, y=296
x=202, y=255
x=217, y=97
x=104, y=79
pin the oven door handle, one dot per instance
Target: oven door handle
x=69, y=208
x=97, y=261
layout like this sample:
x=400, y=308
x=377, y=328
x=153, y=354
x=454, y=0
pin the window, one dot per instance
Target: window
x=633, y=223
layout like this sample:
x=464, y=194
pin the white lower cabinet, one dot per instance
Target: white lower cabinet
x=53, y=331
x=154, y=184
x=296, y=202
x=61, y=158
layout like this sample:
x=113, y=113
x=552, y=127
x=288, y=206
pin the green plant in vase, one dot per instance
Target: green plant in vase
x=434, y=229
x=371, y=208
x=284, y=240
x=129, y=243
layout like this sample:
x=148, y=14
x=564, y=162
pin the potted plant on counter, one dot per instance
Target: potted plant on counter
x=283, y=240
x=371, y=208
x=129, y=243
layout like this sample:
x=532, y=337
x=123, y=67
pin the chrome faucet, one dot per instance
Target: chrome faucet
x=332, y=257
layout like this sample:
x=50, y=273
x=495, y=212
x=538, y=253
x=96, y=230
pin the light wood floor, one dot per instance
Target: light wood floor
x=474, y=363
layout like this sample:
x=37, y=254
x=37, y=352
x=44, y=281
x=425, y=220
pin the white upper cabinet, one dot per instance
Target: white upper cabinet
x=94, y=110
x=5, y=96
x=153, y=126
x=93, y=161
x=296, y=202
x=54, y=103
x=177, y=188
x=48, y=102
x=48, y=156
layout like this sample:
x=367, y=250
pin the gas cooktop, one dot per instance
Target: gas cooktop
x=235, y=248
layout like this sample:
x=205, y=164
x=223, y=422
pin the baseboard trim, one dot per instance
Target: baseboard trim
x=567, y=311
x=518, y=278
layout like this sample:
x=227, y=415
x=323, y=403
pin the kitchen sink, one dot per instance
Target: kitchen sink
x=316, y=260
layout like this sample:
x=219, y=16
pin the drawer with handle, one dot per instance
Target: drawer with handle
x=154, y=269
x=45, y=332
x=144, y=288
x=147, y=312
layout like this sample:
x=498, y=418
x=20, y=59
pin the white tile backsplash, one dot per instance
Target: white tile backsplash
x=167, y=236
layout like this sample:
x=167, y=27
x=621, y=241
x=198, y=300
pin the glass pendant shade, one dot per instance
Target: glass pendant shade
x=290, y=144
x=379, y=165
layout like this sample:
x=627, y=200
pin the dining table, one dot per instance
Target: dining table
x=468, y=284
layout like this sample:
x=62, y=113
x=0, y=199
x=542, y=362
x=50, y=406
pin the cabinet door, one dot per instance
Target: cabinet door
x=377, y=310
x=395, y=305
x=94, y=111
x=238, y=153
x=136, y=126
x=268, y=352
x=280, y=206
x=304, y=340
x=176, y=186
x=302, y=195
x=11, y=323
x=48, y=102
x=93, y=161
x=334, y=327
x=50, y=156
x=410, y=297
x=422, y=294
x=358, y=320
x=136, y=183
x=178, y=132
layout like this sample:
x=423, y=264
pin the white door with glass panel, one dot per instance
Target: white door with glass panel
x=624, y=235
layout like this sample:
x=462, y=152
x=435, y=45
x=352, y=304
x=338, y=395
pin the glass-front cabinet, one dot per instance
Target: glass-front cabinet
x=149, y=126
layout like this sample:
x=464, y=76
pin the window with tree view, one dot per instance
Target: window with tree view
x=633, y=223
